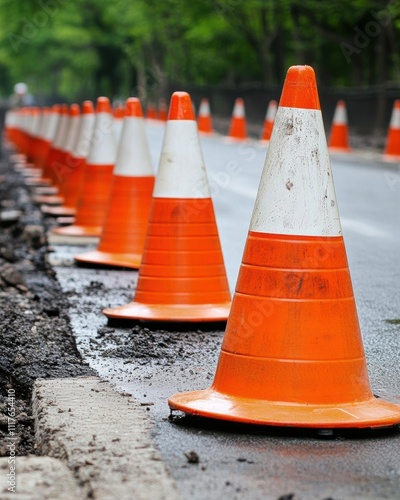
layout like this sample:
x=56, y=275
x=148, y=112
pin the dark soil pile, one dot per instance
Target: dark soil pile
x=35, y=334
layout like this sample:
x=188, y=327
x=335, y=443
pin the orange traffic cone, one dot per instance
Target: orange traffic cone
x=162, y=110
x=125, y=223
x=49, y=133
x=75, y=164
x=292, y=354
x=339, y=137
x=60, y=171
x=55, y=149
x=204, y=121
x=118, y=113
x=97, y=176
x=392, y=148
x=238, y=127
x=269, y=121
x=182, y=276
x=42, y=143
x=40, y=117
x=151, y=113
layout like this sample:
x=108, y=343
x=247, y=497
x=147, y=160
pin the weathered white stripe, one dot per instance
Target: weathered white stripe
x=73, y=130
x=238, y=110
x=84, y=136
x=62, y=130
x=340, y=116
x=204, y=109
x=395, y=118
x=51, y=126
x=181, y=171
x=103, y=149
x=296, y=193
x=133, y=158
x=271, y=111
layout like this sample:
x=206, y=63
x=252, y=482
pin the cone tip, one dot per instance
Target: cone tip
x=119, y=112
x=300, y=89
x=397, y=103
x=181, y=107
x=103, y=105
x=133, y=107
x=74, y=110
x=87, y=107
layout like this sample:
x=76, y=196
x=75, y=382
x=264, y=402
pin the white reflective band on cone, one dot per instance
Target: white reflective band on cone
x=395, y=119
x=103, y=149
x=84, y=136
x=133, y=158
x=181, y=171
x=51, y=126
x=238, y=110
x=61, y=132
x=271, y=112
x=340, y=116
x=204, y=108
x=72, y=133
x=296, y=194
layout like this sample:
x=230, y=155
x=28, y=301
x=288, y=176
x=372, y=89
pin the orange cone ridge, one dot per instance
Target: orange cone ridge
x=339, y=137
x=125, y=223
x=392, y=147
x=238, y=126
x=204, y=121
x=269, y=121
x=182, y=275
x=292, y=353
x=97, y=177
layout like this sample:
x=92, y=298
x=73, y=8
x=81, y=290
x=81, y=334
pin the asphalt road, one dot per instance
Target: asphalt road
x=244, y=462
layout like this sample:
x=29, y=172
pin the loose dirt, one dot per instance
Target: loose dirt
x=35, y=334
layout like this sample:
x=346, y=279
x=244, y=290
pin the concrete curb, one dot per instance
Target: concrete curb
x=104, y=437
x=38, y=478
x=61, y=239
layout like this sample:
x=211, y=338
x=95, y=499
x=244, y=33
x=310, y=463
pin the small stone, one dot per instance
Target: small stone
x=192, y=457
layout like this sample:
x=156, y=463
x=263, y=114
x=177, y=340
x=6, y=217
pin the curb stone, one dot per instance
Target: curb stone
x=104, y=437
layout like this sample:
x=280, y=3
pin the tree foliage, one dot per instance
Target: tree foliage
x=79, y=48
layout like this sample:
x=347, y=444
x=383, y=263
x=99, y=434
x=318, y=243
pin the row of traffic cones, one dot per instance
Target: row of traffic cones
x=338, y=139
x=339, y=135
x=292, y=354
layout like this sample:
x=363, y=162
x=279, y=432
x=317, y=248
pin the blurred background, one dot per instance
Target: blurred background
x=71, y=50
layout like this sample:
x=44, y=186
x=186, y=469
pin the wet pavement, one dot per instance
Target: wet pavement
x=250, y=462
